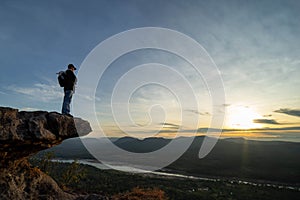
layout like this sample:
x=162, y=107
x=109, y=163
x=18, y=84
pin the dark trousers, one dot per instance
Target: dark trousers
x=67, y=101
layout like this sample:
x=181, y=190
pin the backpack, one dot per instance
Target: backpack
x=62, y=78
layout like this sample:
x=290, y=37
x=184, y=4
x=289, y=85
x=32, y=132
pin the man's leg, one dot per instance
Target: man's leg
x=67, y=102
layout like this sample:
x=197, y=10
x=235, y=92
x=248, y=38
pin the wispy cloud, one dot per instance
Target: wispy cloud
x=205, y=130
x=290, y=128
x=197, y=112
x=267, y=115
x=3, y=93
x=288, y=111
x=265, y=121
x=170, y=125
x=226, y=104
x=89, y=98
x=29, y=109
x=41, y=92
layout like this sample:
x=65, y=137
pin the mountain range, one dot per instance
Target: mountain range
x=232, y=158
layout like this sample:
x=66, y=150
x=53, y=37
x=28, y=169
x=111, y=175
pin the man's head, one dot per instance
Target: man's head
x=71, y=67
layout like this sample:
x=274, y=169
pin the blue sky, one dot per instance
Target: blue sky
x=255, y=45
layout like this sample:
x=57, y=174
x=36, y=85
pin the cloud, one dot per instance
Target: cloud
x=170, y=125
x=29, y=109
x=89, y=98
x=226, y=104
x=205, y=130
x=197, y=112
x=291, y=128
x=3, y=93
x=288, y=111
x=265, y=121
x=40, y=92
x=267, y=115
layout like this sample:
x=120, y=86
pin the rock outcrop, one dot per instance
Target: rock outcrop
x=23, y=134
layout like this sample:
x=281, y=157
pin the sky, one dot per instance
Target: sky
x=254, y=44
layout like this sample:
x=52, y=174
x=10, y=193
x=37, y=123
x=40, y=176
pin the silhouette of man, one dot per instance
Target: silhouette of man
x=69, y=89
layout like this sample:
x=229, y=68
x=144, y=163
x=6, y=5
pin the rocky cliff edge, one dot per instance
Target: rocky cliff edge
x=23, y=134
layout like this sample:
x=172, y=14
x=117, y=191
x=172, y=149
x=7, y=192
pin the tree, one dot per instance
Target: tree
x=73, y=173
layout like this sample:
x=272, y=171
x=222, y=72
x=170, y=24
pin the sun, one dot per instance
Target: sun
x=241, y=117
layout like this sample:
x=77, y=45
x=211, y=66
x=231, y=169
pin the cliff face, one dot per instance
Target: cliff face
x=23, y=134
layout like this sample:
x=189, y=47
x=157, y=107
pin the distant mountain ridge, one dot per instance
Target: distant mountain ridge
x=232, y=157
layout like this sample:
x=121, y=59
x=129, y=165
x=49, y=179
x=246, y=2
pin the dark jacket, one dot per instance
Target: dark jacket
x=70, y=80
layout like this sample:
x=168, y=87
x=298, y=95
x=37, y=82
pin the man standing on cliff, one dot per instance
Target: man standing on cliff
x=69, y=89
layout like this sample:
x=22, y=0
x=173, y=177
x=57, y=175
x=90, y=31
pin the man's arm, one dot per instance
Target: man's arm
x=71, y=76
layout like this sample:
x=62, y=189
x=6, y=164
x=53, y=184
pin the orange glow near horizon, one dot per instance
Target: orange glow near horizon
x=241, y=117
